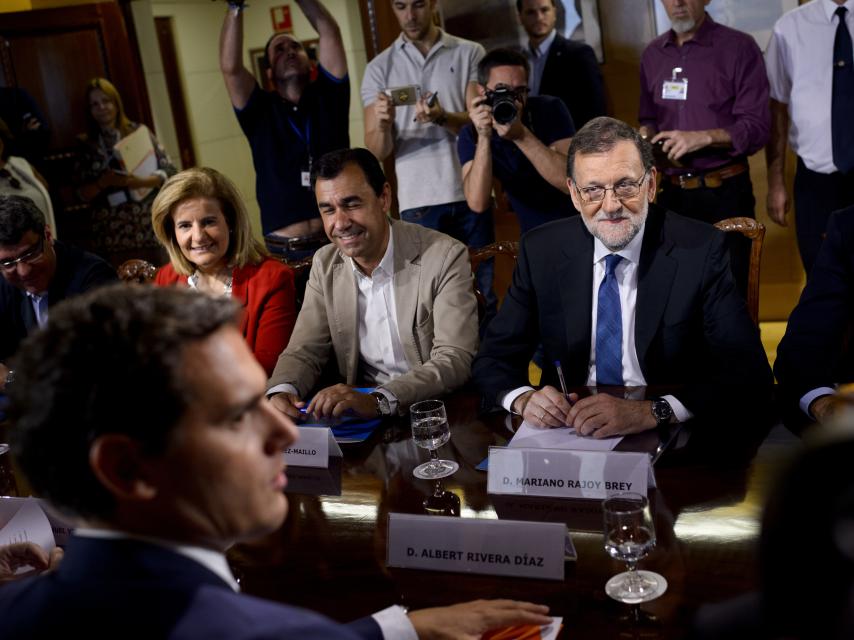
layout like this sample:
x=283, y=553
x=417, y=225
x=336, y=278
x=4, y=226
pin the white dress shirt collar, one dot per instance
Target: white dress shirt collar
x=543, y=48
x=39, y=302
x=212, y=560
x=830, y=8
x=386, y=265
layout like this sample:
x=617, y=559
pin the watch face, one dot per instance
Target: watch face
x=661, y=410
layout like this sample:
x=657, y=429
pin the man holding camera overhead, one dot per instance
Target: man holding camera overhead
x=416, y=95
x=521, y=141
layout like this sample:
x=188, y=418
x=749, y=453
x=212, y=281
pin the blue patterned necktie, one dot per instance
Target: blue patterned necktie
x=609, y=327
x=842, y=103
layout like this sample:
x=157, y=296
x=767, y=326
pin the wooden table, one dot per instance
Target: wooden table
x=330, y=554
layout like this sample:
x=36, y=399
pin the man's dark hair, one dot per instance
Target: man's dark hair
x=501, y=58
x=519, y=5
x=600, y=135
x=332, y=164
x=18, y=215
x=109, y=361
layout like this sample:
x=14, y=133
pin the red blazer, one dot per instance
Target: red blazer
x=266, y=292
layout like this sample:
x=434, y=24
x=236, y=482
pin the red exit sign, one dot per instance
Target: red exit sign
x=281, y=17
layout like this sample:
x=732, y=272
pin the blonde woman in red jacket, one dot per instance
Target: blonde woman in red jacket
x=200, y=219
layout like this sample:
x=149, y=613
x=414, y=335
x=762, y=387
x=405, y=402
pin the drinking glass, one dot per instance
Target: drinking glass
x=430, y=431
x=630, y=536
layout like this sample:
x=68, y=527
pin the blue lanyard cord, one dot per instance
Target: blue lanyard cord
x=305, y=138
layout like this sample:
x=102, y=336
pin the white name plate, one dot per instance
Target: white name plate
x=567, y=474
x=464, y=545
x=312, y=448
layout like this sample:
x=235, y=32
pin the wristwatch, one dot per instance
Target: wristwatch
x=661, y=411
x=10, y=377
x=383, y=406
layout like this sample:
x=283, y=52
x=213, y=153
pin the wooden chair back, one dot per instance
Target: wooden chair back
x=755, y=232
x=138, y=271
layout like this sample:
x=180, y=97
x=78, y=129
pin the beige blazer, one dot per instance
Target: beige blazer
x=436, y=317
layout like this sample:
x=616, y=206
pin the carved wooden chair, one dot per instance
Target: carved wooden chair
x=755, y=232
x=301, y=269
x=477, y=256
x=138, y=271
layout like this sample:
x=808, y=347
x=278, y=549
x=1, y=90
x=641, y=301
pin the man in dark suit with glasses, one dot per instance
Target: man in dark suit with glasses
x=38, y=272
x=624, y=295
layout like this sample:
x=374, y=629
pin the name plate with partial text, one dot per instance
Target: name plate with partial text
x=564, y=473
x=468, y=545
x=312, y=448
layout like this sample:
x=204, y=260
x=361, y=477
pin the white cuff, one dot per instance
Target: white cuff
x=810, y=396
x=394, y=624
x=510, y=397
x=283, y=388
x=679, y=411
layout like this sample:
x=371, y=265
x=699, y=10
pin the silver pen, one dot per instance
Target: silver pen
x=561, y=378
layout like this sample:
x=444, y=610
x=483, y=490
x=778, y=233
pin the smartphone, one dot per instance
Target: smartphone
x=403, y=95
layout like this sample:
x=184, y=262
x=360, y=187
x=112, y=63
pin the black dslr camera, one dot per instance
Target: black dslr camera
x=503, y=103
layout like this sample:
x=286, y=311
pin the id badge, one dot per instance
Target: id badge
x=674, y=89
x=305, y=178
x=117, y=198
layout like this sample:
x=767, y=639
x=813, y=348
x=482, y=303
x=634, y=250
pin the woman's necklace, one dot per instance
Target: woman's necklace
x=194, y=282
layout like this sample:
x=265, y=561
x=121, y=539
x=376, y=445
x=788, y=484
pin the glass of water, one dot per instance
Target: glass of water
x=630, y=536
x=430, y=431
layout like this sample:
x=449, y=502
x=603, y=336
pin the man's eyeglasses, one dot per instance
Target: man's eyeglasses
x=624, y=190
x=28, y=257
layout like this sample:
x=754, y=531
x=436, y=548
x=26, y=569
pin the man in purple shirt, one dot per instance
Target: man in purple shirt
x=704, y=105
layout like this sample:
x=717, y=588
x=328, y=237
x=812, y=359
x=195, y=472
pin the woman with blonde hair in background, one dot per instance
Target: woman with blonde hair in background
x=120, y=222
x=200, y=219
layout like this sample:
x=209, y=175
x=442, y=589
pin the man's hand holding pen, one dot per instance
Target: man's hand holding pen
x=547, y=407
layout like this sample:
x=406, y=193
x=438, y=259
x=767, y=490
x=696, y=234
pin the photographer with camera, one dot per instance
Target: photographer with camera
x=521, y=141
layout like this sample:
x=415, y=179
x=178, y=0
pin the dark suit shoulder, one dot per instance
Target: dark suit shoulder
x=78, y=271
x=572, y=47
x=686, y=231
x=554, y=234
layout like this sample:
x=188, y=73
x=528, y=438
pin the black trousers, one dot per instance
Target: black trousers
x=734, y=198
x=817, y=195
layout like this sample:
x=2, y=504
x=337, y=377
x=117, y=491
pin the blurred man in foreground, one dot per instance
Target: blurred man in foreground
x=160, y=492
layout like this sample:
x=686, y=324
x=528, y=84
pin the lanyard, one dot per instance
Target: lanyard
x=304, y=137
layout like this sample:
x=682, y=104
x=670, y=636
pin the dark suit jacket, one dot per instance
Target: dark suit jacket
x=268, y=297
x=816, y=350
x=130, y=589
x=76, y=272
x=572, y=74
x=692, y=330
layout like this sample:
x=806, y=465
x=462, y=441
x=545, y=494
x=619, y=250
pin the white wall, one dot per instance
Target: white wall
x=218, y=140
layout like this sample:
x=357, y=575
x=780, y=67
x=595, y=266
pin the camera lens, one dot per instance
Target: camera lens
x=504, y=110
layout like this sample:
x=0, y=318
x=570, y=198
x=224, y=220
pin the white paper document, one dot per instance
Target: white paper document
x=25, y=521
x=137, y=153
x=531, y=437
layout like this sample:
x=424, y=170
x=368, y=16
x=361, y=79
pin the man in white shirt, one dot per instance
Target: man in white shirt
x=421, y=131
x=810, y=62
x=624, y=295
x=393, y=300
x=141, y=414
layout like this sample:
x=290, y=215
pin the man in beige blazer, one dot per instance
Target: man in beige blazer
x=394, y=301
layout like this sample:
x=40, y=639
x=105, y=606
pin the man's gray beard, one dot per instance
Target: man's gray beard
x=683, y=26
x=635, y=221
